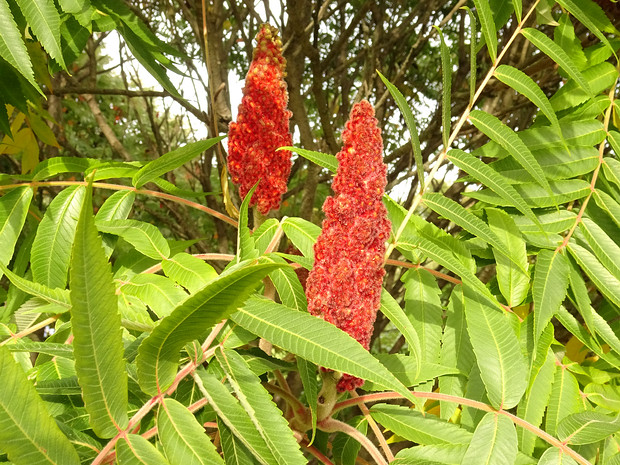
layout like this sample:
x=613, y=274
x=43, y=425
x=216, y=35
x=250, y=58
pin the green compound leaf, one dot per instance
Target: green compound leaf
x=183, y=438
x=418, y=427
x=259, y=406
x=133, y=449
x=12, y=47
x=549, y=287
x=232, y=414
x=44, y=20
x=492, y=179
x=158, y=355
x=302, y=234
x=555, y=456
x=98, y=343
x=512, y=275
x=555, y=52
x=13, y=211
x=172, y=160
x=28, y=433
x=245, y=242
x=488, y=26
x=56, y=296
x=411, y=125
x=188, y=271
x=526, y=86
x=453, y=211
x=593, y=17
x=51, y=249
x=322, y=159
x=314, y=340
x=606, y=282
x=494, y=442
x=587, y=427
x=508, y=139
x=392, y=310
x=145, y=237
x=498, y=354
x=60, y=165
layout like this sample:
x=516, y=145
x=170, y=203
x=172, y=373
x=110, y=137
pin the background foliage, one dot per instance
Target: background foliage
x=138, y=324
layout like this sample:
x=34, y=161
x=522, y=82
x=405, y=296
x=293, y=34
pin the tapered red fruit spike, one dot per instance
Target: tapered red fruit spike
x=344, y=286
x=262, y=126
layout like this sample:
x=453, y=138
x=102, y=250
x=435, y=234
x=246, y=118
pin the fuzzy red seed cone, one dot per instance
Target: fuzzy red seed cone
x=344, y=286
x=262, y=126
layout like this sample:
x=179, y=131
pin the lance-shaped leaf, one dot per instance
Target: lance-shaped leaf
x=423, y=307
x=607, y=283
x=258, y=404
x=605, y=249
x=51, y=249
x=235, y=452
x=245, y=242
x=183, y=438
x=456, y=351
x=506, y=137
x=307, y=373
x=59, y=165
x=492, y=179
x=188, y=271
x=287, y=284
x=231, y=413
x=56, y=296
x=512, y=276
x=158, y=355
x=593, y=17
x=549, y=287
x=498, y=354
x=526, y=86
x=555, y=456
x=172, y=160
x=302, y=234
x=315, y=340
x=145, y=237
x=453, y=211
x=565, y=399
x=532, y=407
x=13, y=211
x=322, y=159
x=488, y=26
x=494, y=442
x=156, y=291
x=44, y=20
x=12, y=47
x=391, y=309
x=417, y=427
x=587, y=427
x=97, y=343
x=28, y=433
x=411, y=125
x=438, y=252
x=555, y=52
x=133, y=449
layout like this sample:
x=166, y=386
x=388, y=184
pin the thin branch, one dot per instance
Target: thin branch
x=118, y=187
x=374, y=427
x=469, y=403
x=330, y=425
